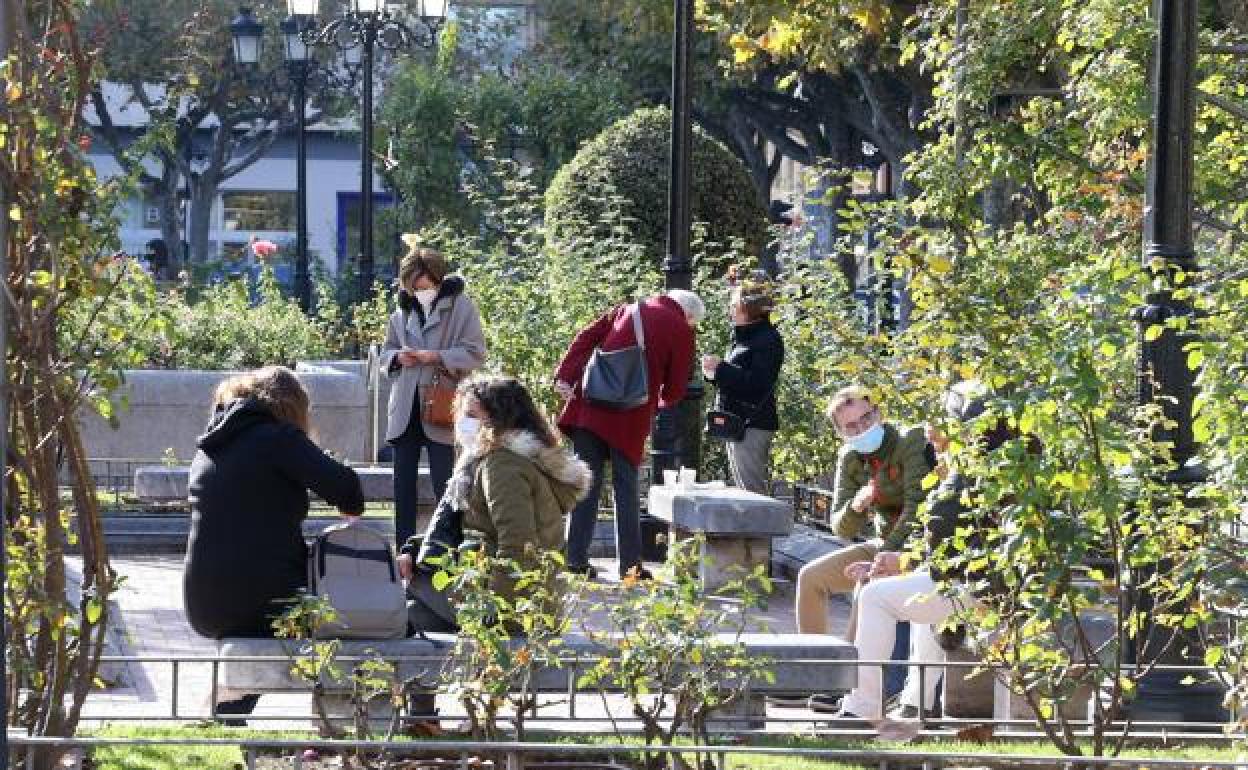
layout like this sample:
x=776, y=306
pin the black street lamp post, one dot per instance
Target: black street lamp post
x=359, y=30
x=1163, y=374
x=302, y=71
x=299, y=65
x=677, y=437
x=248, y=35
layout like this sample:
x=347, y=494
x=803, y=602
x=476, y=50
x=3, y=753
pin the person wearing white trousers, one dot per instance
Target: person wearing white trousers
x=914, y=598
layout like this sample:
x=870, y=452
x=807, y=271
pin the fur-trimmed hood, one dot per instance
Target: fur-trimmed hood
x=555, y=461
x=570, y=477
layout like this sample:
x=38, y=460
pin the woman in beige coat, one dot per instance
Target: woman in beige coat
x=436, y=329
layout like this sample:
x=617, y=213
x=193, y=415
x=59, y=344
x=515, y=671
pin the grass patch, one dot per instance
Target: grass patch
x=164, y=757
x=1018, y=747
x=225, y=757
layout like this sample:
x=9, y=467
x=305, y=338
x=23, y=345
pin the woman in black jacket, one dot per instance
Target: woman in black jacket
x=746, y=379
x=249, y=487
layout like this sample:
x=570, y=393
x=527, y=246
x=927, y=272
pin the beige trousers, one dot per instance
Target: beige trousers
x=822, y=578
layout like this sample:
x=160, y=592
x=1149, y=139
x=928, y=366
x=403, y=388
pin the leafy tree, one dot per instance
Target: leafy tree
x=448, y=118
x=840, y=72
x=174, y=60
x=1023, y=270
x=629, y=163
x=59, y=235
x=744, y=109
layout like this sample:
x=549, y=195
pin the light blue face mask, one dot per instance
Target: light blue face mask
x=868, y=441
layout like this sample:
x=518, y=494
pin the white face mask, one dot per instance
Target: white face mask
x=466, y=430
x=425, y=296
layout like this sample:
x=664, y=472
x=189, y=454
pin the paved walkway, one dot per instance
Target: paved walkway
x=151, y=623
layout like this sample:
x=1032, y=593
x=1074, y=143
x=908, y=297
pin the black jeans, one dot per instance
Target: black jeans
x=595, y=452
x=407, y=448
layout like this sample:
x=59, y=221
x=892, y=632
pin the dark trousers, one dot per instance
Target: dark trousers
x=594, y=452
x=428, y=609
x=407, y=448
x=895, y=675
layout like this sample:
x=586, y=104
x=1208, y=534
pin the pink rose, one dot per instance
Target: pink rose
x=264, y=249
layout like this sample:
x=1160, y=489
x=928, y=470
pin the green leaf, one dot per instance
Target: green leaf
x=94, y=611
x=441, y=579
x=1213, y=656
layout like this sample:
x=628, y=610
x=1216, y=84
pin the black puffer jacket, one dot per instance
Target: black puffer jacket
x=747, y=376
x=249, y=496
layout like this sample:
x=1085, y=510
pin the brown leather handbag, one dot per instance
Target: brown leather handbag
x=437, y=399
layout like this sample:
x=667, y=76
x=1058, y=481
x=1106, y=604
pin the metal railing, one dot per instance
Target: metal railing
x=114, y=482
x=513, y=754
x=812, y=505
x=821, y=724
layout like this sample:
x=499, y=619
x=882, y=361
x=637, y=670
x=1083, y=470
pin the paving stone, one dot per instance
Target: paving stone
x=152, y=623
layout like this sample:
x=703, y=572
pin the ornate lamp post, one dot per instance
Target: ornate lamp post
x=299, y=65
x=677, y=436
x=360, y=29
x=1163, y=374
x=301, y=68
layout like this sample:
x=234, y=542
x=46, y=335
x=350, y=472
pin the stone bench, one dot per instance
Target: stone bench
x=982, y=694
x=800, y=663
x=738, y=526
x=164, y=484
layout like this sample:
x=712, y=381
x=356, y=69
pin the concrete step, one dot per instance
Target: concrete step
x=165, y=532
x=141, y=533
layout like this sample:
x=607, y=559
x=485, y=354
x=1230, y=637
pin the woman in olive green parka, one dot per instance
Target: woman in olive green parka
x=513, y=484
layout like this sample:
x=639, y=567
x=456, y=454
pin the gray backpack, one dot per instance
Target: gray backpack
x=353, y=567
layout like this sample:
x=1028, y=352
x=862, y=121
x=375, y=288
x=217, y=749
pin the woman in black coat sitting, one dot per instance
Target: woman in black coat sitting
x=249, y=486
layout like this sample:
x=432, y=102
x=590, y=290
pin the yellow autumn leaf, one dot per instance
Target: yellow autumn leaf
x=782, y=38
x=15, y=213
x=870, y=18
x=939, y=265
x=14, y=92
x=743, y=48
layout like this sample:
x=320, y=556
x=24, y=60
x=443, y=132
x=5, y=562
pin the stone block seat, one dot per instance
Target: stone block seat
x=168, y=483
x=799, y=663
x=738, y=526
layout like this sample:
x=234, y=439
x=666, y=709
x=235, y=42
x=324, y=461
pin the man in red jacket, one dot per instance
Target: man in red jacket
x=598, y=433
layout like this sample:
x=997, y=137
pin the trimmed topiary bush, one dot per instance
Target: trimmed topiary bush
x=626, y=166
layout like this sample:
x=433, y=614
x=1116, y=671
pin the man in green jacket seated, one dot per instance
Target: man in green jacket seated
x=878, y=488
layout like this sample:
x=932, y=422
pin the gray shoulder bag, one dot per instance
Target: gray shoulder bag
x=618, y=379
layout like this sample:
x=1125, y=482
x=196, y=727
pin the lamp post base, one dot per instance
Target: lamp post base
x=1163, y=697
x=676, y=438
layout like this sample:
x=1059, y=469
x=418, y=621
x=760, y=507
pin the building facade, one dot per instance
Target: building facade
x=259, y=202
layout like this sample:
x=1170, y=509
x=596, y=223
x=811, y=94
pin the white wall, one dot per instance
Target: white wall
x=327, y=177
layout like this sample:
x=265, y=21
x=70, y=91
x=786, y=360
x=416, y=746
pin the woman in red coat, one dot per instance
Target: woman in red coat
x=599, y=434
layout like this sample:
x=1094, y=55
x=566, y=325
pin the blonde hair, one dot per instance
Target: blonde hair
x=420, y=260
x=844, y=396
x=276, y=388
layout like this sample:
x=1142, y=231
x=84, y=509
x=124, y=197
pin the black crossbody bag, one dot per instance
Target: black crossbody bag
x=730, y=426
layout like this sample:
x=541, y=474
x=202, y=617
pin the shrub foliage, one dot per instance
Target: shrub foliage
x=627, y=166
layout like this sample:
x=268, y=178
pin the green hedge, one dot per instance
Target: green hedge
x=626, y=166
